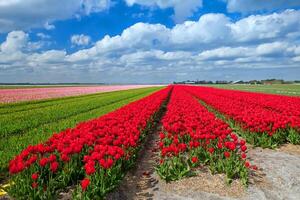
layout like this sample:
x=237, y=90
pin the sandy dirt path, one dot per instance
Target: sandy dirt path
x=278, y=177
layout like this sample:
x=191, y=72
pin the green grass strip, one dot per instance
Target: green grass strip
x=280, y=89
x=20, y=122
x=23, y=106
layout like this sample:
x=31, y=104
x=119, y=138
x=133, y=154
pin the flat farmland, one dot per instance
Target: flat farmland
x=28, y=93
x=29, y=123
x=186, y=142
x=282, y=89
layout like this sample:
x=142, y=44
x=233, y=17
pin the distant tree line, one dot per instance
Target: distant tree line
x=251, y=82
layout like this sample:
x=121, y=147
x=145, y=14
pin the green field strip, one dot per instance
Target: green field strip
x=58, y=102
x=43, y=104
x=35, y=104
x=285, y=89
x=18, y=123
x=13, y=145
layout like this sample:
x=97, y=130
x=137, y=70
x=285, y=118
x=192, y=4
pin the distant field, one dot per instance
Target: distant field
x=22, y=124
x=29, y=93
x=39, y=86
x=288, y=89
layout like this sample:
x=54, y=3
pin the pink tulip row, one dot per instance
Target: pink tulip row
x=27, y=94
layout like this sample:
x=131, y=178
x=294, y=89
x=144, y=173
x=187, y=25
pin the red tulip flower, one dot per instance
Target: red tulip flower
x=85, y=183
x=226, y=154
x=194, y=159
x=35, y=176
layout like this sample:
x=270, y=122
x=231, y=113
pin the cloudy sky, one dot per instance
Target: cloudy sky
x=148, y=41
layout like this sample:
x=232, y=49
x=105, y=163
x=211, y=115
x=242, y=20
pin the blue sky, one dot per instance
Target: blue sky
x=148, y=41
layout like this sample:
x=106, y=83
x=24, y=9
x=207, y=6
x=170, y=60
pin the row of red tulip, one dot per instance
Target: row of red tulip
x=98, y=151
x=255, y=113
x=285, y=105
x=193, y=136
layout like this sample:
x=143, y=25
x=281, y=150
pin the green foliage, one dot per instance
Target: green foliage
x=19, y=122
x=174, y=168
x=293, y=136
x=282, y=89
x=48, y=183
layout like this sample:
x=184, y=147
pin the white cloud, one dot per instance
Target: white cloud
x=296, y=50
x=92, y=6
x=33, y=46
x=214, y=41
x=209, y=28
x=23, y=15
x=48, y=57
x=80, y=40
x=139, y=36
x=182, y=10
x=247, y=6
x=275, y=48
x=11, y=50
x=15, y=41
x=262, y=27
x=161, y=56
x=296, y=59
x=225, y=53
x=43, y=36
x=48, y=26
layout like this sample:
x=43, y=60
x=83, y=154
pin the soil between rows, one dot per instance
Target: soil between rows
x=277, y=177
x=142, y=182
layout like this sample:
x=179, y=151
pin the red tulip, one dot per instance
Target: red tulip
x=244, y=148
x=34, y=185
x=85, y=183
x=247, y=164
x=226, y=154
x=254, y=167
x=194, y=159
x=34, y=176
x=44, y=162
x=244, y=156
x=54, y=166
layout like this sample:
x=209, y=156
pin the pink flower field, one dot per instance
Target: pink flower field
x=27, y=94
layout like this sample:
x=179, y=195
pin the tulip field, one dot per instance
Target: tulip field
x=192, y=135
x=28, y=93
x=281, y=89
x=90, y=142
x=25, y=123
x=265, y=120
